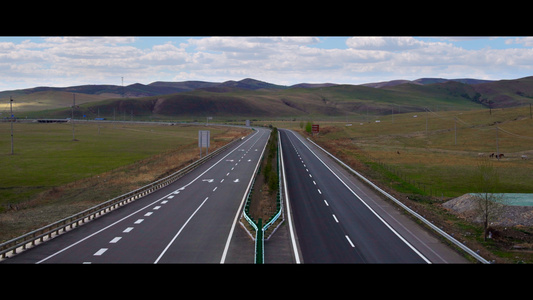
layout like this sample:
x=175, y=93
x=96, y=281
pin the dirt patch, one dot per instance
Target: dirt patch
x=465, y=207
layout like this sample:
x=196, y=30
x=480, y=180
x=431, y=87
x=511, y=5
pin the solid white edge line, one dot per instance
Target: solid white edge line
x=376, y=214
x=177, y=234
x=240, y=210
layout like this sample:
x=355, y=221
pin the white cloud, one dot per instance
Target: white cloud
x=384, y=43
x=61, y=61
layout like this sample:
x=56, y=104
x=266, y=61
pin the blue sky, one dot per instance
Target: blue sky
x=27, y=62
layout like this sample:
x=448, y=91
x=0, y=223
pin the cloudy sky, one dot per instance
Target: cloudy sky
x=27, y=62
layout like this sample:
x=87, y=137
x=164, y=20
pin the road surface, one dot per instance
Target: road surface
x=331, y=217
x=193, y=220
x=337, y=219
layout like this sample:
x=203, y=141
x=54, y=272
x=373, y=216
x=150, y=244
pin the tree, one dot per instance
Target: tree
x=489, y=204
x=309, y=127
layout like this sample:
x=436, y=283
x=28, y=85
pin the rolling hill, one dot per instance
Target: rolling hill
x=253, y=98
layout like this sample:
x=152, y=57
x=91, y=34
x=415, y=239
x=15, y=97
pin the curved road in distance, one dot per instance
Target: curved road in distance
x=338, y=219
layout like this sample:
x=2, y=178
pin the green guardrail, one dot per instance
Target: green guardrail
x=257, y=225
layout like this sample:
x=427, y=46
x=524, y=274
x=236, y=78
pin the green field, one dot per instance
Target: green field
x=438, y=162
x=45, y=155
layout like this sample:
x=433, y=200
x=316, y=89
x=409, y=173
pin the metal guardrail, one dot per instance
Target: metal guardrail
x=47, y=232
x=258, y=227
x=258, y=255
x=431, y=225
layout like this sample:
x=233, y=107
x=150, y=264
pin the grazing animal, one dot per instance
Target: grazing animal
x=500, y=156
x=524, y=157
x=492, y=155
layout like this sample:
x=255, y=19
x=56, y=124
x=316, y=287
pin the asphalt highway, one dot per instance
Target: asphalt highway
x=331, y=218
x=337, y=219
x=192, y=220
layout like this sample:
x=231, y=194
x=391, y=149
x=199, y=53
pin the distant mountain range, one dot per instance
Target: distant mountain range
x=423, y=81
x=250, y=97
x=164, y=87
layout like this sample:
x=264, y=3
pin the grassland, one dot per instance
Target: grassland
x=51, y=176
x=437, y=161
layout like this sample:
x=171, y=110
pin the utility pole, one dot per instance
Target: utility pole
x=12, y=121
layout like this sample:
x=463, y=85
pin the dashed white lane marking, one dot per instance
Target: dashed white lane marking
x=170, y=197
x=157, y=207
x=314, y=182
x=319, y=191
x=148, y=213
x=128, y=229
x=327, y=204
x=164, y=202
x=222, y=180
x=100, y=252
x=113, y=241
x=216, y=187
x=335, y=218
x=139, y=221
x=349, y=241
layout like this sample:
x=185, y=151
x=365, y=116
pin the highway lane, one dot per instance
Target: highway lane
x=339, y=220
x=192, y=220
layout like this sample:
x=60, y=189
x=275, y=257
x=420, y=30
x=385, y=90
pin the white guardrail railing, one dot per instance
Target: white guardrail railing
x=431, y=225
x=45, y=233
